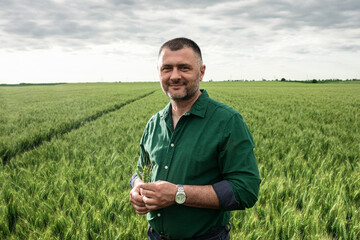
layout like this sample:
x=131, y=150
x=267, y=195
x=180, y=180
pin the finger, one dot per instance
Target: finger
x=142, y=211
x=139, y=206
x=138, y=201
x=147, y=186
x=150, y=202
x=147, y=193
x=153, y=207
x=137, y=196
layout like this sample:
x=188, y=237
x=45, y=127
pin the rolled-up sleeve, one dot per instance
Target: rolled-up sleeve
x=225, y=195
x=241, y=184
x=132, y=180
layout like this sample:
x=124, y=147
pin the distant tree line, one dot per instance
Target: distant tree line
x=300, y=81
x=29, y=84
x=317, y=80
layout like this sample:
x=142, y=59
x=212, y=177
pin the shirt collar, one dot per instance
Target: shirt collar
x=200, y=105
x=198, y=108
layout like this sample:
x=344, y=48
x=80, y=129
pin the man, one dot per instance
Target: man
x=201, y=152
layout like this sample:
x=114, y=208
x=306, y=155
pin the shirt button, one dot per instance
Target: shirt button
x=166, y=167
x=172, y=145
x=159, y=215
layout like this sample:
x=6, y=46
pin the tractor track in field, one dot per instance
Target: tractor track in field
x=24, y=146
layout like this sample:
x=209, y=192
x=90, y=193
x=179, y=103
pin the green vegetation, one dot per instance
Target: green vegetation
x=32, y=114
x=74, y=184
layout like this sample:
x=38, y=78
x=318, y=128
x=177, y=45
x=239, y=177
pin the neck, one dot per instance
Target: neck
x=183, y=106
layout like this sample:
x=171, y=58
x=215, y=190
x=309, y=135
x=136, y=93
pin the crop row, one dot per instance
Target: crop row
x=33, y=114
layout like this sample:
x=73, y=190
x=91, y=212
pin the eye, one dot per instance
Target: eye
x=185, y=68
x=166, y=68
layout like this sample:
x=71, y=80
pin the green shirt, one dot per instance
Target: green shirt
x=211, y=145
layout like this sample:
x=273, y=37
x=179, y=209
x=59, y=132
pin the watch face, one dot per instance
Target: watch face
x=180, y=198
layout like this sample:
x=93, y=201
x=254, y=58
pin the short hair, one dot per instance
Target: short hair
x=179, y=43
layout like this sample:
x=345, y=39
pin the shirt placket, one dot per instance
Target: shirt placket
x=169, y=157
x=173, y=142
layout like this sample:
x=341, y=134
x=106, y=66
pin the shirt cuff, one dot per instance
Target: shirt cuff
x=226, y=195
x=132, y=180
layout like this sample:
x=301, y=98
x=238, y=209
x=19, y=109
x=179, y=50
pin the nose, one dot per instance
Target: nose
x=175, y=74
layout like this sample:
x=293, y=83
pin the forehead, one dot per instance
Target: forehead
x=184, y=55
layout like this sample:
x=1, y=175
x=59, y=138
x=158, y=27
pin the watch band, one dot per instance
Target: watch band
x=180, y=188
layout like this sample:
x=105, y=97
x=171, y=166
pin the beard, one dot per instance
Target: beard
x=184, y=92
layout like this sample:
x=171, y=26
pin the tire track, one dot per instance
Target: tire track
x=24, y=146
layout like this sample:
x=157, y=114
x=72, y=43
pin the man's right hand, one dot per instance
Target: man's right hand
x=136, y=199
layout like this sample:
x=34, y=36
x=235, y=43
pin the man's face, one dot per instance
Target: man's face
x=180, y=73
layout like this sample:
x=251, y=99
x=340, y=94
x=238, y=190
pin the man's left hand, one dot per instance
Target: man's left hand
x=159, y=194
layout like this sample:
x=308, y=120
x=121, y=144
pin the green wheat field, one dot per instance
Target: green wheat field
x=68, y=151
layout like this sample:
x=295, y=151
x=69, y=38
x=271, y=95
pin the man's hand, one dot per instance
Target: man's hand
x=137, y=200
x=157, y=195
x=147, y=197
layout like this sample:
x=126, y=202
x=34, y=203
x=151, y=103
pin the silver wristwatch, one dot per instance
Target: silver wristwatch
x=180, y=196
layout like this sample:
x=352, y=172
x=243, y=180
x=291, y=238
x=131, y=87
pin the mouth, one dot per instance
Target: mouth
x=176, y=84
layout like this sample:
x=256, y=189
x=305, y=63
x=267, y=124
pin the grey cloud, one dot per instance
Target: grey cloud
x=230, y=22
x=54, y=22
x=35, y=30
x=350, y=48
x=296, y=14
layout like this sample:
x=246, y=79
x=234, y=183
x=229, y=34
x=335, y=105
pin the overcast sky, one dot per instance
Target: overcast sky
x=95, y=41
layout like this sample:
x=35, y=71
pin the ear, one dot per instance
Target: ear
x=202, y=72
